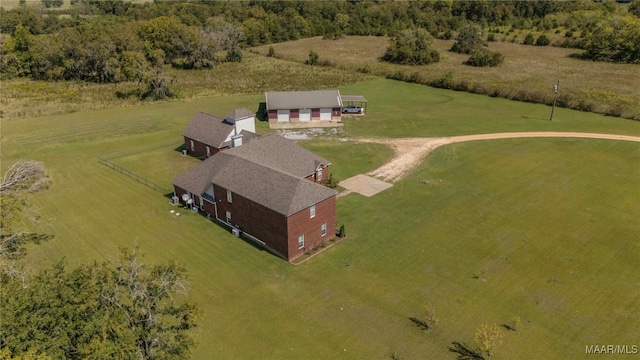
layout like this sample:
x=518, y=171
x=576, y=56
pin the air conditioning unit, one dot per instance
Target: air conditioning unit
x=175, y=200
x=235, y=232
x=194, y=209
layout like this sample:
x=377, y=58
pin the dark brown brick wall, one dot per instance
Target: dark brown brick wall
x=278, y=232
x=259, y=221
x=199, y=149
x=300, y=223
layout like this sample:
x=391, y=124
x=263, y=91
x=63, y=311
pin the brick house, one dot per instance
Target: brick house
x=303, y=108
x=266, y=190
x=207, y=134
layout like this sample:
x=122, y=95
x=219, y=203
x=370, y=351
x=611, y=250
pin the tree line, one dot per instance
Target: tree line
x=118, y=40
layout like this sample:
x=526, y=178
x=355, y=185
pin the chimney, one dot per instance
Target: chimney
x=236, y=140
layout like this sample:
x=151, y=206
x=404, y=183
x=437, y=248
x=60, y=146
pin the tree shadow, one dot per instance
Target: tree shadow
x=464, y=352
x=419, y=323
x=508, y=327
x=127, y=94
x=261, y=114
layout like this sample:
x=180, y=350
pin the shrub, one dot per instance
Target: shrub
x=330, y=182
x=313, y=58
x=543, y=40
x=491, y=37
x=272, y=52
x=528, y=40
x=483, y=57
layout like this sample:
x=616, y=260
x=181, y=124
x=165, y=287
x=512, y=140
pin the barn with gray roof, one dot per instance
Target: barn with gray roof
x=318, y=108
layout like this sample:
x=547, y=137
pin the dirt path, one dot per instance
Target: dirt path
x=409, y=152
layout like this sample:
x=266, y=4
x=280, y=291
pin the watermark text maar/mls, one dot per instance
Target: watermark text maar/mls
x=612, y=349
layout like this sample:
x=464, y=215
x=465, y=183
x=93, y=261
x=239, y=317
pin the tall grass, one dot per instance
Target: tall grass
x=527, y=74
x=256, y=74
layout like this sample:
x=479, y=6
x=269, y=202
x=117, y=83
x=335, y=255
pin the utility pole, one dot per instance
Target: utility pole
x=555, y=97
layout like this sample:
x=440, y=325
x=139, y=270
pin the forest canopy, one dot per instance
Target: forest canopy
x=116, y=40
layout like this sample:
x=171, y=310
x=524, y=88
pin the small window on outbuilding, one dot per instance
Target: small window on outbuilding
x=301, y=241
x=312, y=211
x=229, y=217
x=229, y=196
x=193, y=146
x=323, y=229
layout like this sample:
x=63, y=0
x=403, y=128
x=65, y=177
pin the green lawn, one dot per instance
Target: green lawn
x=398, y=109
x=544, y=229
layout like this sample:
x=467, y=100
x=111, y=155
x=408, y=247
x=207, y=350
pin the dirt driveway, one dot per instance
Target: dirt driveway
x=409, y=152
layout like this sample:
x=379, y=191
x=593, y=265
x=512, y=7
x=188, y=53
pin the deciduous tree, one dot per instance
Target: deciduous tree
x=412, y=47
x=469, y=39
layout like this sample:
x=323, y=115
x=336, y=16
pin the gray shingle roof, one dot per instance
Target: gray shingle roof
x=276, y=190
x=239, y=113
x=273, y=189
x=303, y=99
x=208, y=129
x=197, y=179
x=278, y=153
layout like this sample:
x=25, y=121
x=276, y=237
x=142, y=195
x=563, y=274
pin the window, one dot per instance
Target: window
x=229, y=217
x=319, y=174
x=208, y=151
x=229, y=199
x=323, y=229
x=193, y=146
x=312, y=211
x=301, y=241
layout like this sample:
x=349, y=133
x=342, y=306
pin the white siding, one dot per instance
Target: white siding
x=248, y=124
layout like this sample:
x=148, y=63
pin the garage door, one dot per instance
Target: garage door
x=305, y=114
x=325, y=114
x=283, y=115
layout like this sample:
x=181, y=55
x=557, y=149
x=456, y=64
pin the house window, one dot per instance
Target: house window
x=312, y=211
x=229, y=199
x=193, y=146
x=301, y=241
x=323, y=229
x=319, y=174
x=208, y=151
x=229, y=217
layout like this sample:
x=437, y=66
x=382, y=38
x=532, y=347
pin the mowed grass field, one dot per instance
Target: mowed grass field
x=543, y=229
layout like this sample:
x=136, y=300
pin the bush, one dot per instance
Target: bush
x=272, y=52
x=528, y=40
x=543, y=40
x=313, y=58
x=483, y=57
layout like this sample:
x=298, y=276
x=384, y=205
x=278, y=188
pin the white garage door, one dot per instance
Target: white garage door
x=305, y=114
x=325, y=114
x=283, y=115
